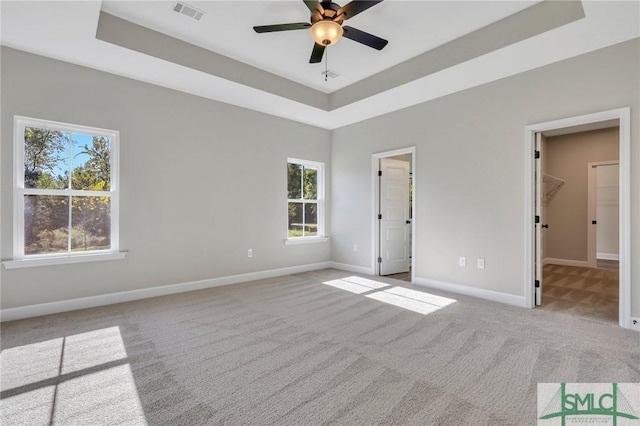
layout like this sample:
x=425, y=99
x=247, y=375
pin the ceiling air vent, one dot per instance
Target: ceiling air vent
x=188, y=10
x=330, y=74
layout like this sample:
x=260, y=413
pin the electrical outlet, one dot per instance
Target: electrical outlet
x=462, y=261
x=250, y=253
x=480, y=263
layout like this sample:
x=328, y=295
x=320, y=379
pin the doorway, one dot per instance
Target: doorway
x=603, y=197
x=584, y=163
x=393, y=209
x=536, y=251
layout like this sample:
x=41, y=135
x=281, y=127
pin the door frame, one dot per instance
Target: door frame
x=623, y=115
x=538, y=210
x=375, y=201
x=592, y=199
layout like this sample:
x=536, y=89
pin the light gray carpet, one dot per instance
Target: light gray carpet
x=587, y=292
x=295, y=351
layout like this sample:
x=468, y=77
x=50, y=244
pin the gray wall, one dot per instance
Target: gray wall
x=567, y=157
x=180, y=221
x=470, y=167
x=201, y=181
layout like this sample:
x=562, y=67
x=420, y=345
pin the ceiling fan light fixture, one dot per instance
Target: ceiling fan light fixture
x=326, y=32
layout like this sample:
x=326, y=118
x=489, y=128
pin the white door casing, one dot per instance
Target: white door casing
x=607, y=205
x=539, y=220
x=603, y=201
x=395, y=244
x=622, y=117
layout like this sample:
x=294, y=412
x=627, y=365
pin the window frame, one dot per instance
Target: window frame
x=20, y=259
x=320, y=202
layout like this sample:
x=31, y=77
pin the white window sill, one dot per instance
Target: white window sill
x=305, y=240
x=61, y=260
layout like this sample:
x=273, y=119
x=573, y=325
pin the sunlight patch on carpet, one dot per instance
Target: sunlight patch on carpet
x=416, y=301
x=356, y=285
x=412, y=300
x=83, y=378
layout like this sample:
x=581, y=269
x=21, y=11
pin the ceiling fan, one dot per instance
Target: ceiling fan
x=326, y=26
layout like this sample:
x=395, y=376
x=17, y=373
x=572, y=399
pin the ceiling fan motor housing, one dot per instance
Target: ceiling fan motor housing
x=326, y=25
x=329, y=12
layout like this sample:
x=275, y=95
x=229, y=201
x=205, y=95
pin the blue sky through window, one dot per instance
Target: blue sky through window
x=78, y=159
x=79, y=142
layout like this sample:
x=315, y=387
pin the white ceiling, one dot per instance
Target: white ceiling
x=412, y=27
x=67, y=31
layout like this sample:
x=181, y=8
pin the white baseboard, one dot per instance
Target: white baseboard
x=351, y=268
x=565, y=262
x=145, y=293
x=608, y=256
x=480, y=293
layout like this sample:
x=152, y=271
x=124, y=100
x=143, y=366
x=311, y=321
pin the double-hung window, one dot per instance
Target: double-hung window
x=305, y=200
x=66, y=192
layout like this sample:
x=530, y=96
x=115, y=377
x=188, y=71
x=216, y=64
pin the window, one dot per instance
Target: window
x=305, y=199
x=66, y=194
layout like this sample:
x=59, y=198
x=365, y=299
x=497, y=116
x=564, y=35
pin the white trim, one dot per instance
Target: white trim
x=145, y=293
x=375, y=158
x=623, y=115
x=592, y=256
x=565, y=262
x=18, y=182
x=494, y=296
x=539, y=212
x=66, y=192
x=63, y=260
x=350, y=268
x=305, y=240
x=607, y=256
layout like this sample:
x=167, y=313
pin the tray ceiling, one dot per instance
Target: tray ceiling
x=435, y=48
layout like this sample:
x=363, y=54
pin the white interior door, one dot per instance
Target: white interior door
x=394, y=222
x=538, y=219
x=607, y=211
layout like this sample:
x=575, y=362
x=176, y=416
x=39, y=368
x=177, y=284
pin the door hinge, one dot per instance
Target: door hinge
x=379, y=260
x=379, y=217
x=536, y=154
x=537, y=283
x=537, y=220
x=379, y=172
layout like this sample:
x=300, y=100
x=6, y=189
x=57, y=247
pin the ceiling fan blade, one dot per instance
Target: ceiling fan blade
x=317, y=53
x=364, y=38
x=314, y=6
x=282, y=27
x=350, y=10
